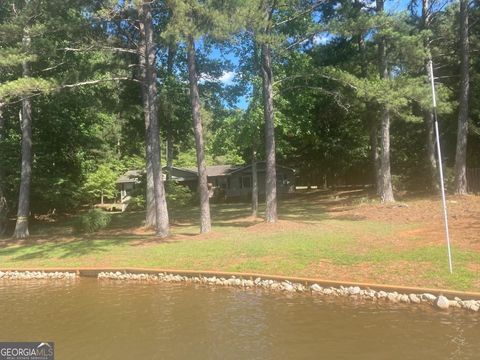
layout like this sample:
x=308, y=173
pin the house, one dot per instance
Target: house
x=127, y=182
x=225, y=181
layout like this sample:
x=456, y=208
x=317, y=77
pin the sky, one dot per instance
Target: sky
x=228, y=77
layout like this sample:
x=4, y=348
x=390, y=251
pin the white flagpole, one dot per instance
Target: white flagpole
x=440, y=166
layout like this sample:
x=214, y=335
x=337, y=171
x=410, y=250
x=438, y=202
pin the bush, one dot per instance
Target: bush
x=177, y=194
x=92, y=221
x=137, y=202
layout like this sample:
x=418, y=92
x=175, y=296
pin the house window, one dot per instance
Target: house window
x=245, y=182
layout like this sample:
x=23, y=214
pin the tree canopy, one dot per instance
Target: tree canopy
x=338, y=90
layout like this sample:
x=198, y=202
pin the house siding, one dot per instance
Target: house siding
x=237, y=188
x=233, y=182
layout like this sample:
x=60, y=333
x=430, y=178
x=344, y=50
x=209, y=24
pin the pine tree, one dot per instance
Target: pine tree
x=463, y=110
x=269, y=116
x=149, y=90
x=386, y=190
x=205, y=222
x=428, y=116
x=23, y=212
x=3, y=199
x=193, y=19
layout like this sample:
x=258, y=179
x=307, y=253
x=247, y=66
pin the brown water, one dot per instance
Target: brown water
x=90, y=319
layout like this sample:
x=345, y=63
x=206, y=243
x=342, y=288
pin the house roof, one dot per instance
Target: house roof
x=190, y=170
x=212, y=171
x=262, y=165
x=130, y=176
x=218, y=170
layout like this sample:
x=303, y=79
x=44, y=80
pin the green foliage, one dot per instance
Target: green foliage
x=137, y=202
x=178, y=195
x=101, y=183
x=92, y=221
x=25, y=87
x=327, y=90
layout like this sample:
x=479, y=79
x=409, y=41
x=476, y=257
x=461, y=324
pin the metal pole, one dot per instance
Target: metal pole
x=440, y=166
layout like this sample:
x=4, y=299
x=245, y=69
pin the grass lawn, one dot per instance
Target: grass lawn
x=337, y=236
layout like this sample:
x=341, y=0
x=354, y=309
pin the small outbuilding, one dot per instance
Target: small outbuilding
x=127, y=182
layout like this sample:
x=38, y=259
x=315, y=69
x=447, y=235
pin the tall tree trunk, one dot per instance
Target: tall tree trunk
x=375, y=156
x=3, y=199
x=372, y=123
x=150, y=218
x=431, y=159
x=21, y=227
x=370, y=120
x=254, y=183
x=386, y=191
x=205, y=222
x=268, y=113
x=428, y=117
x=169, y=112
x=462, y=132
x=169, y=152
x=150, y=85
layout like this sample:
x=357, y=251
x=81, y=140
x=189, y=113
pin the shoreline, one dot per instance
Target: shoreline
x=375, y=292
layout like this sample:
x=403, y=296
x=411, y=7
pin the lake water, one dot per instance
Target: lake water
x=91, y=319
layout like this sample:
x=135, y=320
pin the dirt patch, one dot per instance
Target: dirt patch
x=426, y=216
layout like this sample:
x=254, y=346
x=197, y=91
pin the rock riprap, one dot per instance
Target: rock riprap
x=439, y=302
x=36, y=275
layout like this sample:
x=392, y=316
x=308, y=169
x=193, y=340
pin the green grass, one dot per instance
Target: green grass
x=236, y=246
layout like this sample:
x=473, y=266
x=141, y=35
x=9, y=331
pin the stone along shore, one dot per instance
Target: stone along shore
x=440, y=302
x=34, y=275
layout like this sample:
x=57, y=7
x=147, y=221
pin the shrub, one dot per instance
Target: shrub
x=137, y=202
x=92, y=221
x=177, y=194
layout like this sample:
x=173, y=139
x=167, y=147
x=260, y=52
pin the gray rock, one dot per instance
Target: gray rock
x=275, y=286
x=428, y=297
x=404, y=298
x=393, y=297
x=454, y=303
x=414, y=298
x=316, y=288
x=354, y=290
x=381, y=294
x=442, y=303
x=249, y=283
x=328, y=291
x=300, y=288
x=288, y=287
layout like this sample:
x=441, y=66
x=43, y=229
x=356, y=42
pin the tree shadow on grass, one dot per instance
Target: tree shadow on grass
x=63, y=250
x=57, y=240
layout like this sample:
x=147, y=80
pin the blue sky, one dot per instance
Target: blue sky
x=228, y=77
